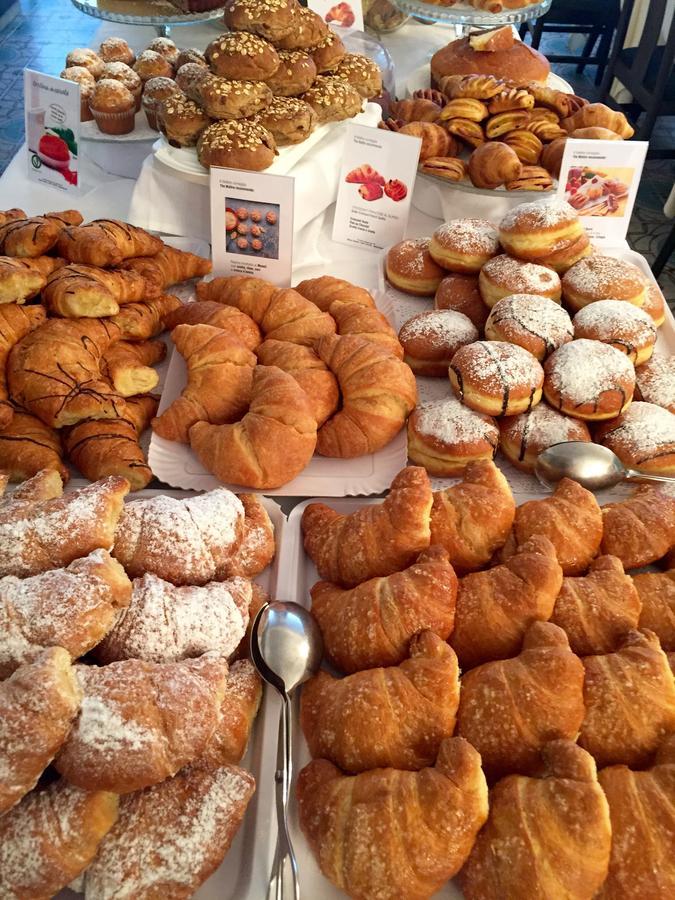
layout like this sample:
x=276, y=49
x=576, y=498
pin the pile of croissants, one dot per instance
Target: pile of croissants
x=419, y=774
x=126, y=698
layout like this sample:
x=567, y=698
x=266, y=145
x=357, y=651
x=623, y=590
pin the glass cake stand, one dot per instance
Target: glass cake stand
x=463, y=14
x=158, y=13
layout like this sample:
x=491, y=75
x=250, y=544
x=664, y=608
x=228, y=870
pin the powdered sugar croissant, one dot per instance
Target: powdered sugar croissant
x=641, y=529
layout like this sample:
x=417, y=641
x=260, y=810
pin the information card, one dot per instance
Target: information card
x=52, y=112
x=341, y=16
x=600, y=180
x=375, y=188
x=252, y=224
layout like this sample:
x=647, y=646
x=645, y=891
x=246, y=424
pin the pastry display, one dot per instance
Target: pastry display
x=444, y=436
x=530, y=322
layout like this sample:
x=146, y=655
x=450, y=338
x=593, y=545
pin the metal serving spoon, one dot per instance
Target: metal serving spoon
x=595, y=467
x=286, y=649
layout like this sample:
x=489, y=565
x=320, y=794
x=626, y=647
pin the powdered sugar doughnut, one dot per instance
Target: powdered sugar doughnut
x=522, y=438
x=626, y=327
x=534, y=231
x=504, y=275
x=655, y=382
x=532, y=322
x=643, y=437
x=444, y=435
x=431, y=339
x=655, y=305
x=464, y=245
x=460, y=292
x=496, y=378
x=410, y=268
x=589, y=380
x=603, y=278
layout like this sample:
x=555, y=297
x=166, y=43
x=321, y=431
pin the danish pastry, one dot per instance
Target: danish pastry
x=531, y=322
x=526, y=145
x=531, y=178
x=589, y=380
x=511, y=98
x=449, y=167
x=466, y=130
x=464, y=245
x=496, y=378
x=504, y=122
x=444, y=436
x=464, y=108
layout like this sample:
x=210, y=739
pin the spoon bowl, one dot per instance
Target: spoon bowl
x=591, y=465
x=286, y=645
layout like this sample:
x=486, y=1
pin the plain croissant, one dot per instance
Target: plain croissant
x=15, y=323
x=656, y=591
x=641, y=529
x=326, y=290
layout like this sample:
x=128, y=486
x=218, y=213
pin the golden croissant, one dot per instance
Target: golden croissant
x=145, y=319
x=326, y=290
x=656, y=592
x=21, y=279
x=257, y=546
x=599, y=115
x=207, y=312
x=37, y=235
x=75, y=291
x=128, y=367
x=15, y=323
x=168, y=267
x=366, y=322
x=641, y=529
x=27, y=446
x=106, y=242
x=46, y=484
x=238, y=710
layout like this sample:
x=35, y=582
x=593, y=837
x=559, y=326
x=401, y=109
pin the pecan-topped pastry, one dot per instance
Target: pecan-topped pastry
x=362, y=73
x=225, y=99
x=295, y=75
x=289, y=119
x=243, y=56
x=236, y=144
x=333, y=99
x=271, y=19
x=181, y=120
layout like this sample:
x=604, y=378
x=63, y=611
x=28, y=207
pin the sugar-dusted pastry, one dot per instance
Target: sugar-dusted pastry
x=168, y=267
x=603, y=278
x=503, y=276
x=169, y=838
x=49, y=838
x=511, y=708
x=473, y=519
x=207, y=312
x=619, y=324
x=570, y=518
x=378, y=393
x=430, y=339
x=27, y=446
x=372, y=624
x=38, y=704
x=376, y=539
x=22, y=279
x=643, y=437
x=389, y=833
x=641, y=529
x=257, y=546
x=397, y=716
x=187, y=541
x=522, y=438
x=144, y=320
x=15, y=323
x=548, y=836
x=655, y=382
x=496, y=607
x=531, y=322
x=599, y=608
x=460, y=293
x=37, y=535
x=655, y=304
x=46, y=484
x=537, y=231
x=630, y=701
x=642, y=811
x=37, y=235
x=164, y=623
x=365, y=322
x=238, y=710
x=410, y=268
x=106, y=242
x=71, y=608
x=141, y=722
x=656, y=591
x=129, y=366
x=326, y=290
x=464, y=245
x=496, y=377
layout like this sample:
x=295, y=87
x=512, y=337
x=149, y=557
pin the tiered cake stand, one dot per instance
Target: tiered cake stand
x=158, y=13
x=463, y=15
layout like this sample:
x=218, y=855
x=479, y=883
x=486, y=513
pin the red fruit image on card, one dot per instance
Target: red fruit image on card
x=396, y=190
x=371, y=191
x=342, y=14
x=364, y=175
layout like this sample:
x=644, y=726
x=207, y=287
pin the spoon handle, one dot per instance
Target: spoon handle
x=636, y=475
x=285, y=867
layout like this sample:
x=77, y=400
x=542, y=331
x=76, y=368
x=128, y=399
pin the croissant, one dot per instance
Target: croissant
x=15, y=323
x=238, y=710
x=41, y=534
x=144, y=320
x=504, y=122
x=642, y=811
x=169, y=838
x=188, y=541
x=9, y=215
x=46, y=484
x=219, y=381
x=395, y=717
x=472, y=519
x=377, y=539
x=106, y=242
x=598, y=115
x=141, y=722
x=415, y=110
x=248, y=453
x=37, y=235
x=366, y=322
x=283, y=315
x=496, y=607
x=257, y=547
x=639, y=530
x=545, y=837
x=630, y=701
x=27, y=446
x=21, y=279
x=74, y=291
x=436, y=141
x=470, y=132
x=207, y=312
x=570, y=518
x=128, y=367
x=37, y=706
x=313, y=376
x=394, y=834
x=464, y=108
x=511, y=98
x=326, y=289
x=378, y=393
x=549, y=98
x=492, y=164
x=656, y=593
x=51, y=837
x=596, y=610
x=168, y=267
x=101, y=447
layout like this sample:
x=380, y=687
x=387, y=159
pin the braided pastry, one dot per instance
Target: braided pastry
x=550, y=98
x=531, y=178
x=464, y=108
x=525, y=144
x=470, y=132
x=507, y=121
x=432, y=94
x=415, y=110
x=448, y=167
x=513, y=98
x=546, y=131
x=480, y=87
x=435, y=140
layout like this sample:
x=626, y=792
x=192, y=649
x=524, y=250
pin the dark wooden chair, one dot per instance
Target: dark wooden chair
x=595, y=18
x=646, y=70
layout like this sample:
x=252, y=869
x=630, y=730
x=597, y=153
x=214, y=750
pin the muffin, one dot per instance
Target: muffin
x=181, y=120
x=86, y=58
x=289, y=120
x=166, y=48
x=362, y=73
x=236, y=144
x=295, y=74
x=151, y=64
x=273, y=19
x=113, y=106
x=156, y=90
x=120, y=71
x=115, y=49
x=86, y=81
x=191, y=55
x=242, y=56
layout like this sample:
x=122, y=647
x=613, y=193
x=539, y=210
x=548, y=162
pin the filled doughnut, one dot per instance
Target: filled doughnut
x=532, y=322
x=655, y=305
x=461, y=293
x=589, y=380
x=626, y=327
x=643, y=437
x=496, y=378
x=524, y=437
x=410, y=268
x=534, y=231
x=464, y=245
x=444, y=435
x=565, y=257
x=655, y=382
x=504, y=275
x=431, y=339
x=603, y=278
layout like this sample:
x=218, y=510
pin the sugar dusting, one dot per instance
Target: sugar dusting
x=469, y=236
x=608, y=320
x=539, y=214
x=543, y=426
x=582, y=370
x=601, y=277
x=656, y=380
x=531, y=314
x=498, y=365
x=643, y=431
x=520, y=277
x=440, y=326
x=451, y=422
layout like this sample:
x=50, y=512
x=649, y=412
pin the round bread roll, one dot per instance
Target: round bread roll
x=603, y=278
x=309, y=29
x=503, y=275
x=431, y=339
x=328, y=53
x=288, y=119
x=444, y=436
x=522, y=438
x=533, y=231
x=190, y=76
x=496, y=378
x=242, y=56
x=589, y=380
x=362, y=73
x=294, y=75
x=464, y=245
x=181, y=120
x=223, y=98
x=655, y=304
x=655, y=382
x=519, y=63
x=333, y=99
x=493, y=164
x=410, y=268
x=190, y=55
x=236, y=144
x=532, y=322
x=622, y=325
x=460, y=292
x=643, y=437
x=273, y=19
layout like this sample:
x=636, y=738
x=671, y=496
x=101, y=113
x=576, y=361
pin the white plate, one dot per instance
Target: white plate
x=421, y=77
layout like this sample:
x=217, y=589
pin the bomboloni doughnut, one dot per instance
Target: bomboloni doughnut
x=522, y=438
x=655, y=305
x=655, y=382
x=431, y=339
x=460, y=292
x=643, y=437
x=496, y=378
x=444, y=435
x=464, y=245
x=589, y=380
x=565, y=257
x=410, y=268
x=603, y=278
x=532, y=322
x=626, y=327
x=504, y=275
x=533, y=231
